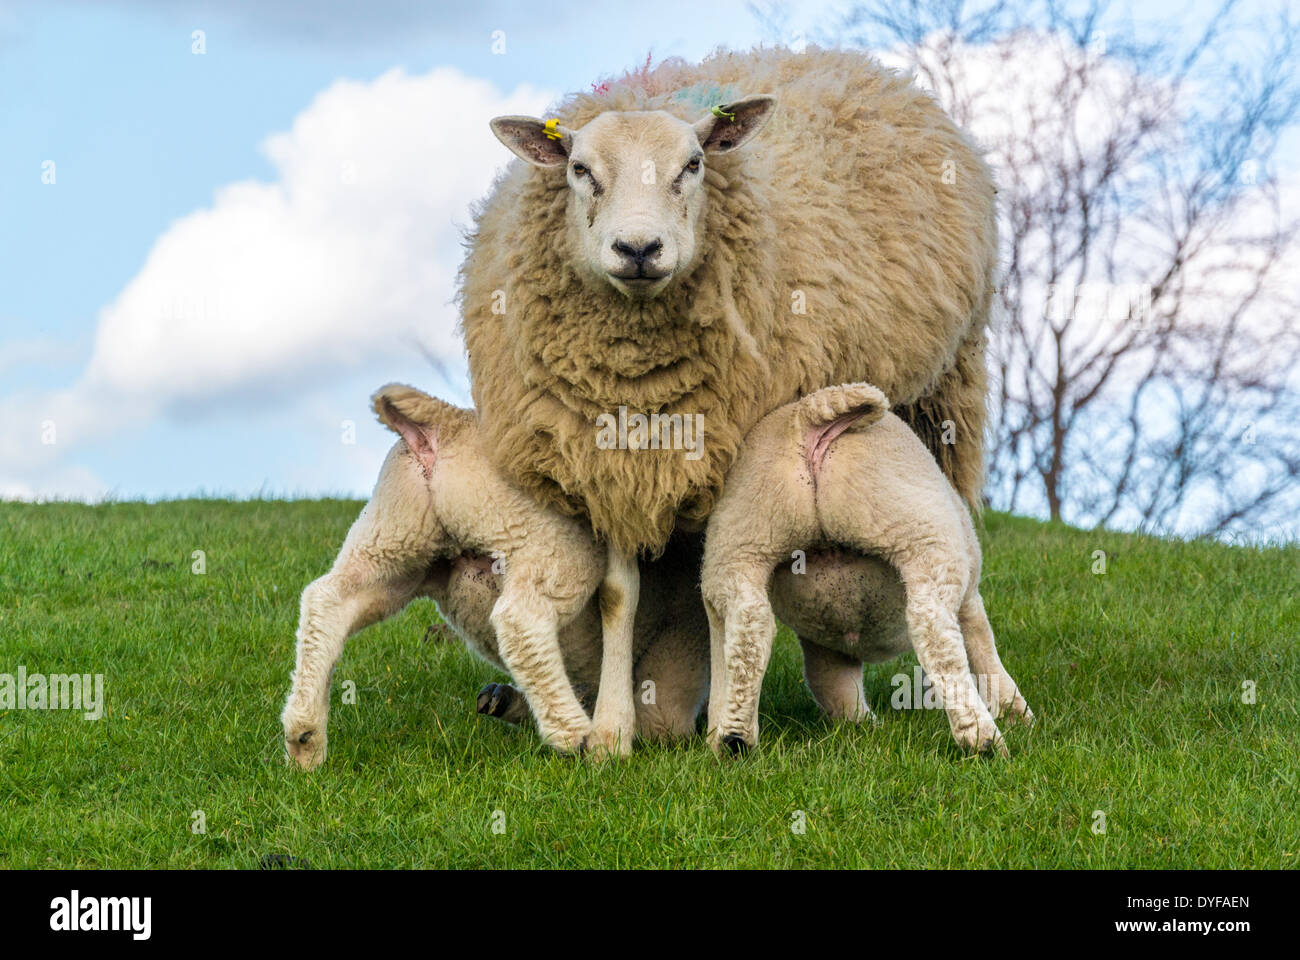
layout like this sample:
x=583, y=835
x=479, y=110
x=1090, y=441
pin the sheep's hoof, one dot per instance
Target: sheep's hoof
x=605, y=743
x=735, y=744
x=494, y=700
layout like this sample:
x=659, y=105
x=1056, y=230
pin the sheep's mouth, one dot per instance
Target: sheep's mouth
x=640, y=284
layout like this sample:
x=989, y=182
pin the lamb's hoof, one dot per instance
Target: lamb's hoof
x=1017, y=713
x=567, y=742
x=980, y=736
x=735, y=744
x=495, y=699
x=730, y=744
x=306, y=748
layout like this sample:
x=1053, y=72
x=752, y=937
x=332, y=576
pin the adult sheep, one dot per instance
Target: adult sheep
x=647, y=258
x=855, y=240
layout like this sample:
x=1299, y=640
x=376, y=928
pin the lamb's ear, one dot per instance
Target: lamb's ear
x=529, y=139
x=413, y=415
x=732, y=125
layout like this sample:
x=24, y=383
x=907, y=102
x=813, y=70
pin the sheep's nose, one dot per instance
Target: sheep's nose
x=638, y=253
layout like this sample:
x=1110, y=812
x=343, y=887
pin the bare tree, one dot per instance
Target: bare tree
x=1145, y=352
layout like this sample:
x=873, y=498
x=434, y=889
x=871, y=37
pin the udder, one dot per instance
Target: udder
x=844, y=601
x=465, y=590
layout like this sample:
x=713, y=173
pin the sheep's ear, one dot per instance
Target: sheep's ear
x=736, y=126
x=529, y=139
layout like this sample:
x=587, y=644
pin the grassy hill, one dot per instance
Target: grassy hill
x=1136, y=676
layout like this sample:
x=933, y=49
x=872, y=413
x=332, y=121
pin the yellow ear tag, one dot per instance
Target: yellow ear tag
x=551, y=130
x=719, y=112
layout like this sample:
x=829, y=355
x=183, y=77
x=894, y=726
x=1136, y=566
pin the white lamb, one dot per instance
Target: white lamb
x=516, y=580
x=892, y=564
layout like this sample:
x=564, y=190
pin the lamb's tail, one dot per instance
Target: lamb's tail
x=424, y=422
x=396, y=404
x=849, y=406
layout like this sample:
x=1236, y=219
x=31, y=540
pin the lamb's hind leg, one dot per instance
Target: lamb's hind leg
x=835, y=680
x=998, y=689
x=742, y=629
x=380, y=568
x=932, y=603
x=527, y=629
x=359, y=591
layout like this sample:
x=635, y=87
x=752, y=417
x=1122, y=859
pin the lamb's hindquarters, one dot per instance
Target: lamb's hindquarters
x=835, y=469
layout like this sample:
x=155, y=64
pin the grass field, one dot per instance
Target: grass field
x=1136, y=676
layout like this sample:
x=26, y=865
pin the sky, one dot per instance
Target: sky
x=222, y=226
x=240, y=244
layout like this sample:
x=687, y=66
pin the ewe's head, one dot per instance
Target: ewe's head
x=636, y=185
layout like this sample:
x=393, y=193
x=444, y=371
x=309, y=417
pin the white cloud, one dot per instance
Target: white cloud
x=56, y=483
x=345, y=261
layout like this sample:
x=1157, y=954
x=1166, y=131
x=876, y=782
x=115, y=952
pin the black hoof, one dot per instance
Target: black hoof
x=495, y=699
x=735, y=744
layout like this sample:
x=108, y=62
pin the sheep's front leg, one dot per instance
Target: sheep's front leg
x=529, y=644
x=742, y=629
x=614, y=723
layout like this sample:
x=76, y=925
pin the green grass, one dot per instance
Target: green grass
x=1136, y=676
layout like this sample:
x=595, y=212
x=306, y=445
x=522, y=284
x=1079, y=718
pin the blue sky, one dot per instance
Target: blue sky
x=143, y=132
x=195, y=304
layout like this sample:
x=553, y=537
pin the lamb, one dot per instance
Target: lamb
x=892, y=563
x=713, y=241
x=517, y=581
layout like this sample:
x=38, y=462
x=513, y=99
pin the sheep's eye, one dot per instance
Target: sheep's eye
x=580, y=170
x=693, y=166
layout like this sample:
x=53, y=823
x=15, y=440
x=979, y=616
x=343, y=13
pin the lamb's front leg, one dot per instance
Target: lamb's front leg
x=528, y=641
x=614, y=724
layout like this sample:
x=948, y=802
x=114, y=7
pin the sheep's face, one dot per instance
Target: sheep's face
x=636, y=186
